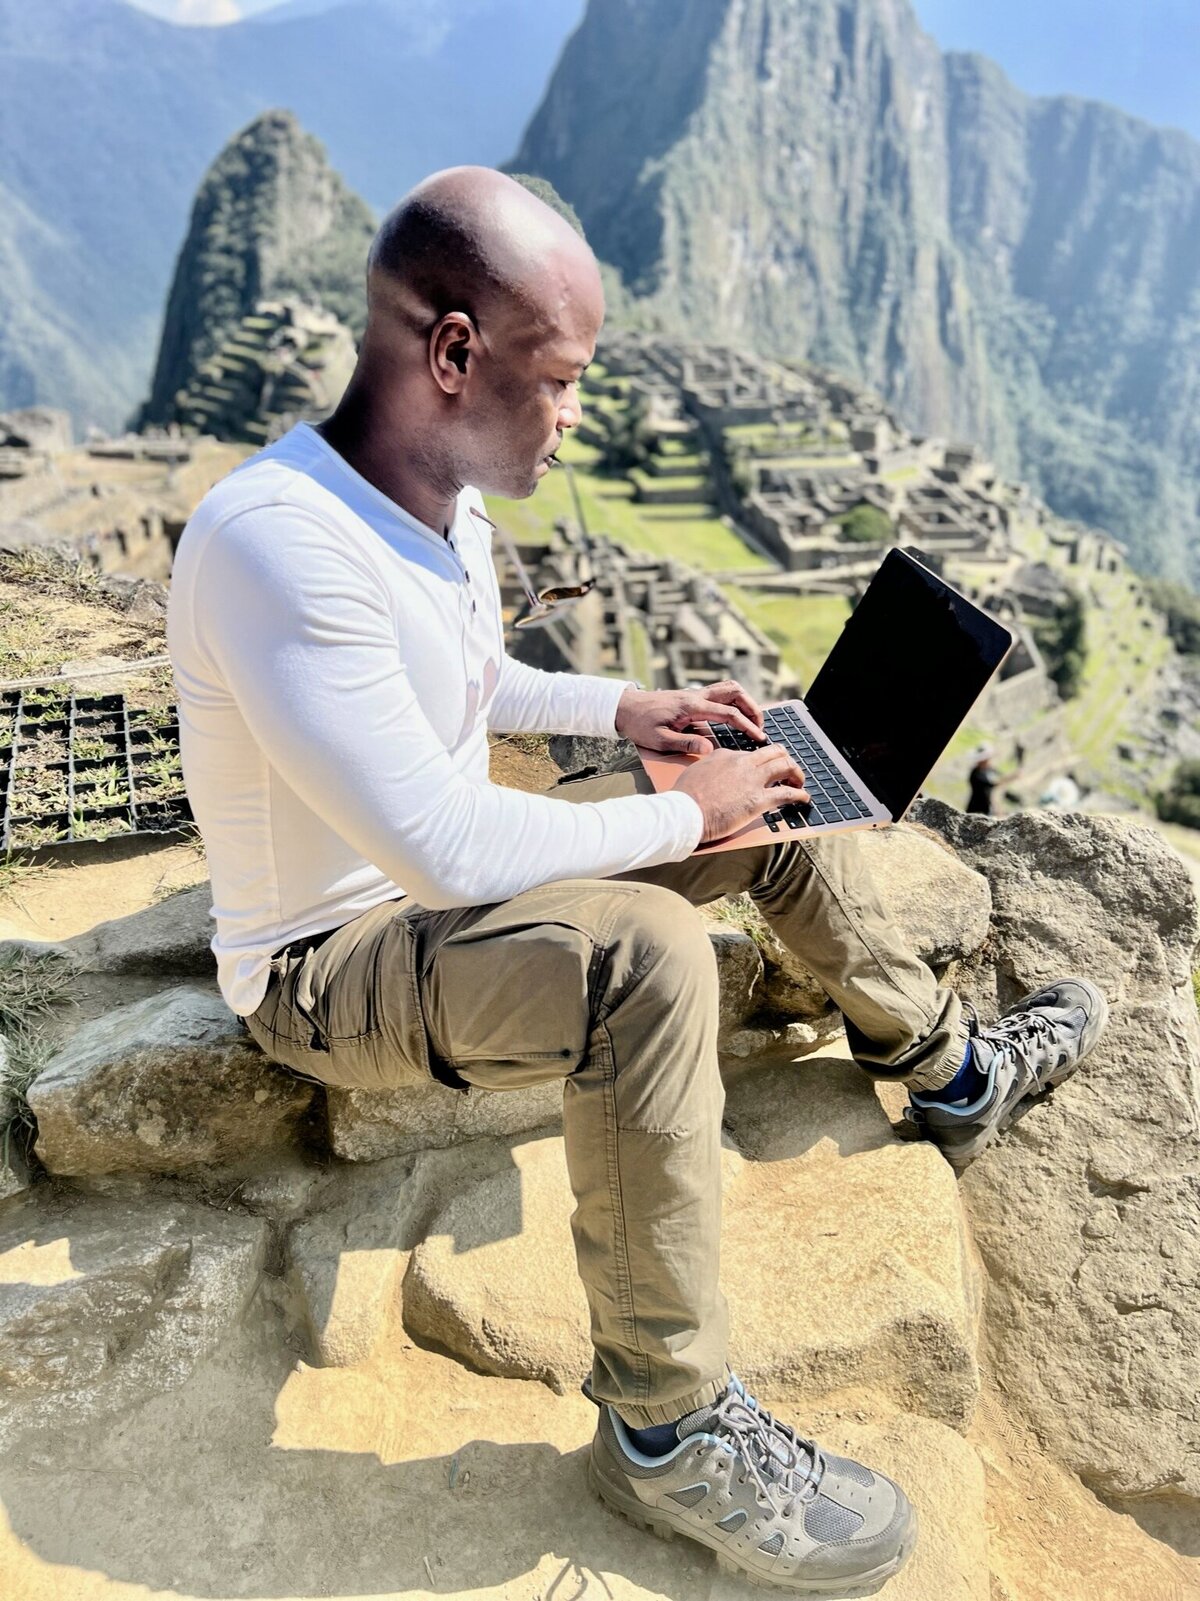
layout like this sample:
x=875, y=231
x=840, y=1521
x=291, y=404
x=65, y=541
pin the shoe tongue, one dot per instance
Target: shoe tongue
x=699, y=1422
x=706, y=1421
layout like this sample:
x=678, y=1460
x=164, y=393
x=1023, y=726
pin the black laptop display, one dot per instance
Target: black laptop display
x=910, y=663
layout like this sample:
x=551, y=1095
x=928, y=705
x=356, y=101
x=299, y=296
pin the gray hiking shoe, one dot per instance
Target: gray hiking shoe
x=1037, y=1044
x=774, y=1508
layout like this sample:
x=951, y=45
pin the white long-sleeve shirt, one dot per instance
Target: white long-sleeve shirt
x=338, y=665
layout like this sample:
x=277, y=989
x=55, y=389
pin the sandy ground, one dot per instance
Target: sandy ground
x=409, y=1477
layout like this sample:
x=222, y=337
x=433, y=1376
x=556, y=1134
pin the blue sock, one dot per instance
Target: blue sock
x=655, y=1441
x=967, y=1085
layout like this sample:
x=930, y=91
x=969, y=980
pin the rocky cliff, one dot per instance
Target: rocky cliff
x=818, y=180
x=271, y=221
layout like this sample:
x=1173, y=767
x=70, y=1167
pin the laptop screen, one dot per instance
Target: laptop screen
x=912, y=660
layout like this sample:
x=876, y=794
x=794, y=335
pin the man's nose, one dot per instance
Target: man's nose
x=570, y=412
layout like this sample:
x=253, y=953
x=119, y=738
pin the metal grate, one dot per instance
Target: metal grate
x=77, y=768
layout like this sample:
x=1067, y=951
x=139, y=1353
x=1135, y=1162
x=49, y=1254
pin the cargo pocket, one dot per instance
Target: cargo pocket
x=356, y=996
x=509, y=1007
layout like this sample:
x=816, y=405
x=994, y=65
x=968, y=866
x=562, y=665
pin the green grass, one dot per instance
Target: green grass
x=685, y=533
x=1113, y=684
x=803, y=626
x=695, y=486
x=640, y=662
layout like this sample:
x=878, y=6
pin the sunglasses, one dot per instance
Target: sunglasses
x=543, y=603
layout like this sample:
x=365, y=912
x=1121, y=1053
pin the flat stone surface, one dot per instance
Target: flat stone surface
x=409, y=1478
x=106, y=1301
x=348, y=1261
x=844, y=1256
x=171, y=1083
x=369, y=1125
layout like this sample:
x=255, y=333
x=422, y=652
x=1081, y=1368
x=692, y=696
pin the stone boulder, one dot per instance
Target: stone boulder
x=369, y=1125
x=347, y=1261
x=1087, y=1214
x=170, y=1084
x=104, y=1302
x=171, y=938
x=573, y=752
x=844, y=1255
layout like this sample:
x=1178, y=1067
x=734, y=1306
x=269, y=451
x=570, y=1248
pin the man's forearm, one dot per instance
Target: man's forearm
x=530, y=701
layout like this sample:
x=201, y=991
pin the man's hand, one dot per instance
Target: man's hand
x=733, y=787
x=655, y=718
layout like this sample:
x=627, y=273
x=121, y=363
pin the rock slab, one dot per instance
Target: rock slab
x=171, y=938
x=103, y=1302
x=1087, y=1214
x=844, y=1256
x=168, y=1084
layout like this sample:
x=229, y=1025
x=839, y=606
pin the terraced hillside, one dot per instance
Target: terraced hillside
x=763, y=491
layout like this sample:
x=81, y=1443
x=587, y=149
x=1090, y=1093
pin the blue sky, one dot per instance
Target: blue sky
x=1141, y=55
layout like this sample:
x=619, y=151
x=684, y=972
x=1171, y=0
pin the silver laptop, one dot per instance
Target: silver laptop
x=911, y=661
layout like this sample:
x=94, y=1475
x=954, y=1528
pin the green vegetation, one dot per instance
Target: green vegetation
x=1181, y=608
x=243, y=247
x=804, y=627
x=866, y=524
x=31, y=988
x=1062, y=640
x=549, y=195
x=1180, y=802
x=686, y=533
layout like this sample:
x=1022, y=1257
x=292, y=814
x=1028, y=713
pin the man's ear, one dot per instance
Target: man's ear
x=453, y=345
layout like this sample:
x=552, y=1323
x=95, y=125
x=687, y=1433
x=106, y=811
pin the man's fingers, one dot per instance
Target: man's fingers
x=785, y=795
x=693, y=744
x=715, y=711
x=777, y=765
x=730, y=693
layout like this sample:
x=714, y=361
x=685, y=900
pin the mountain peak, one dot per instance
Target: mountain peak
x=814, y=179
x=271, y=219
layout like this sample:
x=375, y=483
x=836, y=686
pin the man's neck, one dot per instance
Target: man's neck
x=378, y=454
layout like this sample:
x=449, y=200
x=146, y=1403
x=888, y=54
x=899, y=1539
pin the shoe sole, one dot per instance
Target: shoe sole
x=644, y=1517
x=1093, y=1029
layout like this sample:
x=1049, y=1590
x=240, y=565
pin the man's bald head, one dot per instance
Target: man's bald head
x=483, y=309
x=471, y=239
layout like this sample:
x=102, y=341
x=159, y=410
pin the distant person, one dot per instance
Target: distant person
x=386, y=914
x=983, y=780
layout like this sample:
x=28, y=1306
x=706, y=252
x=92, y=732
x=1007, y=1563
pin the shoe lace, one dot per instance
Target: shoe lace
x=1019, y=1037
x=776, y=1457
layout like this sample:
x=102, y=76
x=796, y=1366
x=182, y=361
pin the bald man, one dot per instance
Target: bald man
x=385, y=914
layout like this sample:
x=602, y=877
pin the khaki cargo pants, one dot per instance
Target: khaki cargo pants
x=611, y=986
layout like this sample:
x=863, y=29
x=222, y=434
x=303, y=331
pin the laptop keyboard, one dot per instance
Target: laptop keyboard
x=833, y=801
